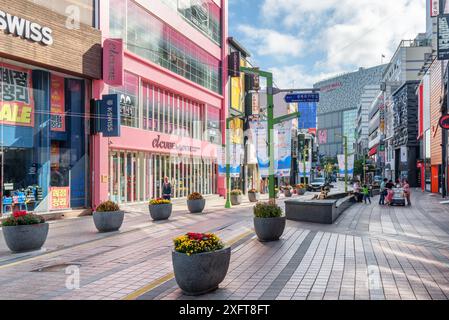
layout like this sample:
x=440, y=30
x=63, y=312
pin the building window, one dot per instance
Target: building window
x=128, y=96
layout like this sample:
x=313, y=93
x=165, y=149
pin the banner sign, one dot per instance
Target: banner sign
x=57, y=104
x=322, y=137
x=236, y=157
x=434, y=8
x=221, y=156
x=283, y=148
x=16, y=96
x=234, y=64
x=341, y=164
x=113, y=73
x=259, y=134
x=443, y=37
x=110, y=116
x=307, y=115
x=59, y=198
x=301, y=168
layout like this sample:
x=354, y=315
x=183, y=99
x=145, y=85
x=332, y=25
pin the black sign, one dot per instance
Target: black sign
x=252, y=82
x=444, y=122
x=443, y=37
x=234, y=64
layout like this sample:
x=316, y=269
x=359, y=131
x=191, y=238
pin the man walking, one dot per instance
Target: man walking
x=366, y=194
x=383, y=191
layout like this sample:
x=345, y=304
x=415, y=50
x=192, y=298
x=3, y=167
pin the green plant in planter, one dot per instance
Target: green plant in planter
x=195, y=196
x=236, y=192
x=22, y=218
x=107, y=206
x=253, y=191
x=267, y=210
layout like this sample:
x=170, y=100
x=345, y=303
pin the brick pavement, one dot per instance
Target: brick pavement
x=371, y=252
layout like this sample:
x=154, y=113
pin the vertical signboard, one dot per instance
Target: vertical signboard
x=341, y=165
x=57, y=106
x=113, y=73
x=307, y=115
x=434, y=8
x=59, y=198
x=110, y=116
x=443, y=37
x=282, y=148
x=259, y=131
x=234, y=64
x=221, y=155
x=236, y=156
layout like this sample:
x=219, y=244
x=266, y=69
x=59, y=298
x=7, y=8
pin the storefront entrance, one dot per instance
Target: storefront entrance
x=138, y=176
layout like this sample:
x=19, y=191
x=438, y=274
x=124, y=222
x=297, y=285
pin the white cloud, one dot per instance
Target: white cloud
x=296, y=76
x=268, y=42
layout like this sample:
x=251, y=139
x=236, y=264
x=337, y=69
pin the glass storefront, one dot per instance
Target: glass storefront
x=152, y=39
x=43, y=140
x=138, y=176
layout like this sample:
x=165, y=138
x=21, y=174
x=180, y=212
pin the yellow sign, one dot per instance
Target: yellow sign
x=236, y=128
x=59, y=198
x=238, y=90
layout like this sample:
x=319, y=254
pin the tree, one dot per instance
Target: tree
x=358, y=167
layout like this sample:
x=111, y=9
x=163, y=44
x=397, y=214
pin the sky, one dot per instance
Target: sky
x=305, y=41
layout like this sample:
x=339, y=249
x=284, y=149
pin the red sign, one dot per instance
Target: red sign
x=57, y=109
x=444, y=122
x=16, y=96
x=113, y=73
x=59, y=198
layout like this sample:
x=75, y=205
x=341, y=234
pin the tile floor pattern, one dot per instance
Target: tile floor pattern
x=371, y=252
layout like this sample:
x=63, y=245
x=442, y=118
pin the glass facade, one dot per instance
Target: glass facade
x=152, y=39
x=43, y=140
x=349, y=119
x=77, y=11
x=138, y=176
x=203, y=14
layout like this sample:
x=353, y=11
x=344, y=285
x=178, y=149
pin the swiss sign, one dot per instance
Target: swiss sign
x=302, y=97
x=444, y=122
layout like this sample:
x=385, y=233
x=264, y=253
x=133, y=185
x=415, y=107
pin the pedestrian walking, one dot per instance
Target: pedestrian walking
x=390, y=193
x=366, y=193
x=356, y=190
x=166, y=189
x=406, y=187
x=383, y=191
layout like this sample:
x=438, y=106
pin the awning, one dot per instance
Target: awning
x=373, y=151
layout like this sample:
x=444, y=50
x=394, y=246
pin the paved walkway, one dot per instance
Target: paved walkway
x=371, y=252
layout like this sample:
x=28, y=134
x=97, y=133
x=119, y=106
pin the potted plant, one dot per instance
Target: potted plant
x=236, y=197
x=24, y=231
x=200, y=262
x=253, y=195
x=108, y=217
x=288, y=191
x=300, y=189
x=160, y=209
x=269, y=223
x=196, y=202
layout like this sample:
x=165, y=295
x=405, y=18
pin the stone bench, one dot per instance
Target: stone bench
x=317, y=211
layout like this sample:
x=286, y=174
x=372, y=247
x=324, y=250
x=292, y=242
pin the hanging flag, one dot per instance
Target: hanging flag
x=283, y=148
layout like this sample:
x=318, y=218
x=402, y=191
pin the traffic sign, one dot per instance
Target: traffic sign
x=444, y=121
x=302, y=97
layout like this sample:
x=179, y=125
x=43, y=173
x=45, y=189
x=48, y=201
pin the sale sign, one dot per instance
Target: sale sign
x=57, y=109
x=16, y=96
x=59, y=198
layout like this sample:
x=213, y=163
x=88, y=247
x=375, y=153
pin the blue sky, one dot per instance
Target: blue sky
x=305, y=41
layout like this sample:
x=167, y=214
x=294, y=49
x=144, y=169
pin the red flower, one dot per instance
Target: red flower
x=197, y=236
x=18, y=214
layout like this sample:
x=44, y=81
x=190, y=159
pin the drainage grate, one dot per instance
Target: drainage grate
x=56, y=267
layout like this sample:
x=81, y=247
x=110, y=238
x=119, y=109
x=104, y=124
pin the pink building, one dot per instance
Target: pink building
x=173, y=99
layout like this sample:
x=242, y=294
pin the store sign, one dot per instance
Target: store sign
x=444, y=122
x=161, y=144
x=110, y=116
x=16, y=96
x=443, y=37
x=434, y=8
x=234, y=64
x=57, y=103
x=25, y=29
x=59, y=198
x=113, y=73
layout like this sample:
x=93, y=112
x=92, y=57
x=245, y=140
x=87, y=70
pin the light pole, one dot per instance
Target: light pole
x=305, y=149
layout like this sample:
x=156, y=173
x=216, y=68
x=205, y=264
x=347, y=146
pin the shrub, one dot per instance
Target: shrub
x=107, y=206
x=159, y=201
x=195, y=196
x=22, y=218
x=192, y=243
x=267, y=210
x=300, y=186
x=252, y=191
x=236, y=192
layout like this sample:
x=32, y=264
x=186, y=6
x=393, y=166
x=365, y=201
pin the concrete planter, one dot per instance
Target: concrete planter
x=160, y=211
x=200, y=273
x=196, y=206
x=236, y=200
x=269, y=229
x=301, y=192
x=108, y=221
x=253, y=196
x=26, y=237
x=288, y=193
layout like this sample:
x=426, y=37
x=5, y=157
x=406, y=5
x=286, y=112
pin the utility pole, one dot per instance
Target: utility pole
x=305, y=149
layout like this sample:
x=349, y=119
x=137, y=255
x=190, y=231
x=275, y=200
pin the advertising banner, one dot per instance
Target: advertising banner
x=59, y=198
x=341, y=165
x=283, y=148
x=307, y=115
x=301, y=168
x=57, y=109
x=236, y=157
x=443, y=37
x=221, y=161
x=259, y=132
x=113, y=73
x=16, y=96
x=322, y=136
x=110, y=116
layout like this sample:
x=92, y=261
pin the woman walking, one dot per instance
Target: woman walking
x=166, y=189
x=390, y=193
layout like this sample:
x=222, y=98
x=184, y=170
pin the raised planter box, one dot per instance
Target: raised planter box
x=26, y=237
x=108, y=221
x=200, y=273
x=317, y=211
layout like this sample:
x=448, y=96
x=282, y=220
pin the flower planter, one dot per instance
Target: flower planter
x=236, y=200
x=160, y=211
x=288, y=193
x=269, y=229
x=301, y=192
x=108, y=221
x=200, y=273
x=25, y=237
x=196, y=206
x=253, y=196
